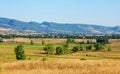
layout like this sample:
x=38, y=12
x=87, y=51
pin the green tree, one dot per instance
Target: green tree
x=83, y=42
x=89, y=47
x=43, y=42
x=82, y=47
x=66, y=48
x=73, y=40
x=69, y=40
x=1, y=40
x=49, y=48
x=102, y=40
x=89, y=42
x=59, y=50
x=76, y=49
x=98, y=46
x=31, y=42
x=19, y=51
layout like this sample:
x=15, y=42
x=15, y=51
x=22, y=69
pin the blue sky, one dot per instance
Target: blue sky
x=101, y=12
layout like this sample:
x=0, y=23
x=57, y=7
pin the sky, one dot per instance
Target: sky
x=100, y=12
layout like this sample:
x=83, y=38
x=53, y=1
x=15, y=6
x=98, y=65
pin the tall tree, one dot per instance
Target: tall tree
x=19, y=51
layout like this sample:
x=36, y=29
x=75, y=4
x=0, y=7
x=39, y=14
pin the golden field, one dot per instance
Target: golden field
x=48, y=40
x=102, y=62
x=63, y=67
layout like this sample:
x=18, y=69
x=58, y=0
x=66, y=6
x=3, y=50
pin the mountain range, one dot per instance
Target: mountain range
x=51, y=27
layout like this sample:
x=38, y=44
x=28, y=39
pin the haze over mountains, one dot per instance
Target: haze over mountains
x=51, y=27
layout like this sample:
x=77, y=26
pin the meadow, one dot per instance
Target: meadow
x=37, y=62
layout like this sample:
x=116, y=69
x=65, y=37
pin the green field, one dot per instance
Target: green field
x=36, y=52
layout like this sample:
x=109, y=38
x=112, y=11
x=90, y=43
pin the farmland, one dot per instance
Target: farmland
x=37, y=62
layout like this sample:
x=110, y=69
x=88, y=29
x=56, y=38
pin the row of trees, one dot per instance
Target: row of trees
x=59, y=50
x=32, y=42
x=65, y=48
x=102, y=40
x=51, y=49
x=62, y=35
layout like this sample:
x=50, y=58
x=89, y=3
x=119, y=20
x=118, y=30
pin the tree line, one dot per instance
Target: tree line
x=52, y=49
x=62, y=35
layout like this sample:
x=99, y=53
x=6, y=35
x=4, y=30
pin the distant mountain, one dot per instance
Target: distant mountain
x=48, y=27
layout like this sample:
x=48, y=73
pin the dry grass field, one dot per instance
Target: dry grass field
x=102, y=62
x=48, y=40
x=62, y=67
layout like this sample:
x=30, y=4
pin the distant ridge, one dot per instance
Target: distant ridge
x=51, y=27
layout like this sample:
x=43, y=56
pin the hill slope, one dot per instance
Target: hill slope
x=48, y=27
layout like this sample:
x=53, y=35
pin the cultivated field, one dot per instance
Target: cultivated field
x=101, y=62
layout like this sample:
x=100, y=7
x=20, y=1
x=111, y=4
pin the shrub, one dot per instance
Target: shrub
x=82, y=42
x=83, y=59
x=59, y=50
x=69, y=40
x=103, y=40
x=89, y=42
x=98, y=46
x=1, y=40
x=88, y=55
x=44, y=58
x=89, y=47
x=109, y=48
x=76, y=49
x=19, y=51
x=31, y=42
x=49, y=49
x=43, y=42
x=82, y=47
x=66, y=49
x=29, y=58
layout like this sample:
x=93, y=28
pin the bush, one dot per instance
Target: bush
x=88, y=55
x=59, y=50
x=49, y=49
x=1, y=40
x=20, y=54
x=43, y=42
x=103, y=40
x=31, y=42
x=66, y=49
x=76, y=49
x=82, y=42
x=89, y=42
x=44, y=58
x=89, y=47
x=98, y=46
x=109, y=48
x=83, y=59
x=82, y=47
x=69, y=40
